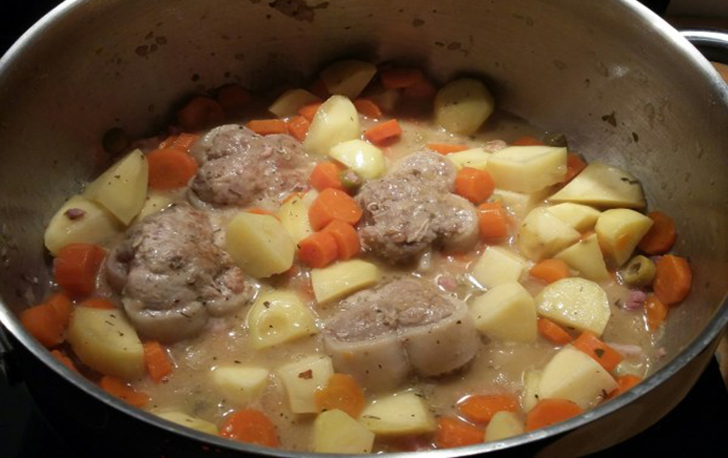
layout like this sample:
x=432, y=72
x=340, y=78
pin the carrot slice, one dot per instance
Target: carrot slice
x=625, y=382
x=170, y=168
x=98, y=303
x=326, y=175
x=341, y=392
x=527, y=141
x=43, y=323
x=65, y=360
x=318, y=88
x=121, y=390
x=298, y=127
x=493, y=221
x=61, y=303
x=673, y=279
x=553, y=332
x=383, y=133
x=474, y=184
x=200, y=112
x=481, y=408
x=184, y=141
x=251, y=426
x=347, y=240
x=233, y=98
x=600, y=352
x=661, y=236
x=446, y=148
x=157, y=361
x=318, y=250
x=76, y=267
x=168, y=142
x=655, y=311
x=452, y=432
x=332, y=204
x=400, y=78
x=549, y=411
x=368, y=108
x=268, y=126
x=574, y=166
x=550, y=270
x=309, y=111
x=422, y=89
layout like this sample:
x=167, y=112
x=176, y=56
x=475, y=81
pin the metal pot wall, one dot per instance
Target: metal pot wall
x=619, y=82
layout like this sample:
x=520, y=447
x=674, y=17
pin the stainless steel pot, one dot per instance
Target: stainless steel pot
x=623, y=86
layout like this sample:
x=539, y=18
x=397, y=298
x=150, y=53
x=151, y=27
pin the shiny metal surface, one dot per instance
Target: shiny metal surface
x=618, y=81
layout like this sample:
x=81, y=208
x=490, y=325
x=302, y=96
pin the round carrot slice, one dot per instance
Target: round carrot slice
x=170, y=168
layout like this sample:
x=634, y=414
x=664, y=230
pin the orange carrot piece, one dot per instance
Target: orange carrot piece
x=121, y=390
x=422, y=89
x=400, y=78
x=481, y=408
x=61, y=303
x=43, y=323
x=332, y=204
x=65, y=360
x=98, y=303
x=368, y=108
x=309, y=111
x=168, y=142
x=233, y=98
x=550, y=270
x=452, y=432
x=326, y=175
x=157, y=361
x=298, y=127
x=574, y=166
x=474, y=184
x=76, y=267
x=446, y=148
x=384, y=132
x=625, y=382
x=661, y=236
x=550, y=411
x=170, y=168
x=553, y=332
x=341, y=392
x=527, y=141
x=673, y=279
x=319, y=89
x=200, y=112
x=251, y=426
x=600, y=352
x=260, y=211
x=318, y=250
x=493, y=221
x=347, y=240
x=268, y=126
x=184, y=141
x=655, y=312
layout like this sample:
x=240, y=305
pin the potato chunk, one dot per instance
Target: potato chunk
x=529, y=396
x=518, y=203
x=105, y=341
x=619, y=231
x=475, y=158
x=240, y=385
x=301, y=380
x=122, y=188
x=154, y=203
x=259, y=244
x=288, y=103
x=580, y=217
x=463, y=105
x=398, y=414
x=586, y=258
x=542, y=235
x=95, y=225
x=527, y=168
x=348, y=77
x=506, y=312
x=575, y=302
x=497, y=266
x=364, y=158
x=604, y=186
x=336, y=121
x=336, y=432
x=293, y=214
x=502, y=426
x=183, y=419
x=278, y=317
x=576, y=377
x=342, y=279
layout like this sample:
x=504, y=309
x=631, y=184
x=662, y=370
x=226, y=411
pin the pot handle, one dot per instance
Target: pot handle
x=713, y=44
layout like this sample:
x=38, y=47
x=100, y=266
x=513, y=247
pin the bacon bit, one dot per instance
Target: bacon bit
x=74, y=213
x=447, y=283
x=306, y=375
x=636, y=300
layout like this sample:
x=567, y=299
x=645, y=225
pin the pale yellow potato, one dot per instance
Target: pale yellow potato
x=503, y=425
x=603, y=186
x=527, y=169
x=240, y=385
x=293, y=215
x=188, y=421
x=542, y=235
x=348, y=77
x=302, y=378
x=518, y=203
x=105, y=341
x=336, y=121
x=292, y=100
x=463, y=105
x=573, y=375
x=586, y=258
x=497, y=266
x=97, y=225
x=529, y=395
x=279, y=317
x=619, y=231
x=580, y=217
x=334, y=431
x=342, y=279
x=505, y=312
x=475, y=158
x=259, y=244
x=154, y=203
x=364, y=158
x=398, y=414
x=575, y=302
x=122, y=188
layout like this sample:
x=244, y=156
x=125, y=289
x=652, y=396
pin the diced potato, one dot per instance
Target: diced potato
x=580, y=217
x=364, y=158
x=336, y=432
x=342, y=279
x=348, y=77
x=498, y=266
x=122, y=188
x=604, y=186
x=542, y=235
x=301, y=380
x=529, y=396
x=154, y=203
x=105, y=341
x=586, y=258
x=259, y=244
x=575, y=376
x=278, y=317
x=293, y=214
x=463, y=105
x=619, y=231
x=575, y=302
x=527, y=168
x=519, y=203
x=336, y=121
x=475, y=158
x=288, y=103
x=240, y=385
x=96, y=225
x=506, y=312
x=502, y=426
x=188, y=421
x=398, y=414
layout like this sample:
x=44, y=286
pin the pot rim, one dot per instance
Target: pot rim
x=713, y=330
